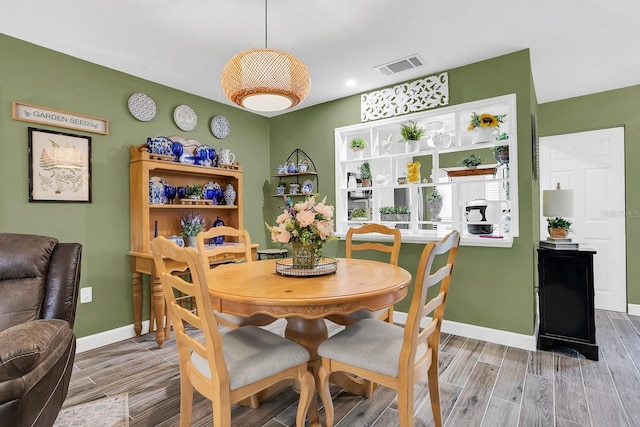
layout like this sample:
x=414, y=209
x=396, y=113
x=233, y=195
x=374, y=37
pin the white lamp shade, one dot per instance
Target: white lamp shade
x=557, y=203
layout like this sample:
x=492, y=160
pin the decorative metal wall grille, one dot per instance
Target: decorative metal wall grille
x=423, y=94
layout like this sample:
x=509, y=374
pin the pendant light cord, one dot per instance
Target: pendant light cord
x=265, y=24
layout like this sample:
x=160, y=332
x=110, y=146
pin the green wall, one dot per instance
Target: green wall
x=39, y=76
x=493, y=287
x=613, y=108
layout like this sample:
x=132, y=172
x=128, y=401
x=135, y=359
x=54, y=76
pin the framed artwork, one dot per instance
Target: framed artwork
x=59, y=167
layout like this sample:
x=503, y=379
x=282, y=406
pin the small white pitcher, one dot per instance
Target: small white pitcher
x=225, y=156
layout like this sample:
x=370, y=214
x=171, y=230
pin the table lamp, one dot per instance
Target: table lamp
x=557, y=204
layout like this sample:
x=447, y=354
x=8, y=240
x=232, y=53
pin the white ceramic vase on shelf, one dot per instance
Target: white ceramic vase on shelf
x=481, y=135
x=230, y=195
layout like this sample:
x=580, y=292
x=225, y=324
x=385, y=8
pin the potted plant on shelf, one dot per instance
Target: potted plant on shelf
x=394, y=213
x=359, y=214
x=365, y=174
x=358, y=145
x=191, y=225
x=471, y=162
x=403, y=213
x=434, y=201
x=558, y=227
x=411, y=133
x=485, y=126
x=193, y=191
x=502, y=154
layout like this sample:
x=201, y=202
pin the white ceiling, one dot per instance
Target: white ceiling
x=577, y=47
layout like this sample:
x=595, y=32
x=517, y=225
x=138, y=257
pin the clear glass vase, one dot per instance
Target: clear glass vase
x=304, y=255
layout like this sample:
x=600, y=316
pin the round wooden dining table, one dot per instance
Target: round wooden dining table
x=255, y=287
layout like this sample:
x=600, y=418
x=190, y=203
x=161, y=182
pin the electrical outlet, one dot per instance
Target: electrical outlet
x=86, y=295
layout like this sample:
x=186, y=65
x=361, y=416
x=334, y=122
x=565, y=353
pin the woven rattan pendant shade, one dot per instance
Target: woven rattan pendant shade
x=265, y=80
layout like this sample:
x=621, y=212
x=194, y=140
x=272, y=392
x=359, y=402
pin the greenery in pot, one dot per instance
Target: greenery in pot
x=193, y=191
x=557, y=222
x=386, y=210
x=402, y=210
x=471, y=161
x=500, y=148
x=365, y=170
x=434, y=195
x=358, y=143
x=192, y=224
x=502, y=137
x=359, y=213
x=410, y=131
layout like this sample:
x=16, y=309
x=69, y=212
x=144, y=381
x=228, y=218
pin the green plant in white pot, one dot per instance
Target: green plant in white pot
x=358, y=145
x=411, y=133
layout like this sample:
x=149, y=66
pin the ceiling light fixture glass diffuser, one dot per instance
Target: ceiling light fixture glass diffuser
x=265, y=80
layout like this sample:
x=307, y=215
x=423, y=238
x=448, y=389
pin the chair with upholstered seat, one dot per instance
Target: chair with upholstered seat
x=237, y=242
x=395, y=356
x=394, y=252
x=225, y=368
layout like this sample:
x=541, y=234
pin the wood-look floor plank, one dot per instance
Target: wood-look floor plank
x=627, y=382
x=449, y=394
x=561, y=422
x=568, y=369
x=463, y=363
x=368, y=410
x=537, y=402
x=511, y=376
x=629, y=336
x=541, y=363
x=596, y=375
x=493, y=353
x=501, y=413
x=474, y=399
x=571, y=401
x=605, y=409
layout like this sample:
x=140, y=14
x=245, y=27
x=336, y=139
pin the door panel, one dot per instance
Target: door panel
x=592, y=164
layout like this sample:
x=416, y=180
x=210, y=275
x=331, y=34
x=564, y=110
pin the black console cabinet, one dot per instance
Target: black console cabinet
x=566, y=300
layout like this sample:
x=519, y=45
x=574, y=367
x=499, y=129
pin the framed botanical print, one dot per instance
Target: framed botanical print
x=59, y=167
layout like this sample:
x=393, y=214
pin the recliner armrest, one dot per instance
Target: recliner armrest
x=24, y=346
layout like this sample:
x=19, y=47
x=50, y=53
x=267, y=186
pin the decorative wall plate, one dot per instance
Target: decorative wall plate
x=185, y=118
x=220, y=127
x=142, y=107
x=307, y=187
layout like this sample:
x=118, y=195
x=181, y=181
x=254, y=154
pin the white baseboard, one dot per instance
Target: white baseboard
x=633, y=309
x=108, y=337
x=496, y=336
x=481, y=333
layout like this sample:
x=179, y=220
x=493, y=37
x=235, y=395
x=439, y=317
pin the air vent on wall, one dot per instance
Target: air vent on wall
x=399, y=65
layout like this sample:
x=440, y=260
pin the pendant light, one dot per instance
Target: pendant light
x=265, y=79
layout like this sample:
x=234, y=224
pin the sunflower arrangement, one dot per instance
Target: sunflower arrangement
x=485, y=120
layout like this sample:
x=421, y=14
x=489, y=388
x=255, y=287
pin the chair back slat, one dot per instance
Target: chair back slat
x=393, y=249
x=236, y=242
x=199, y=316
x=414, y=337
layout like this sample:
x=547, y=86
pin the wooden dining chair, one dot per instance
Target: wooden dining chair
x=230, y=367
x=237, y=242
x=396, y=356
x=352, y=246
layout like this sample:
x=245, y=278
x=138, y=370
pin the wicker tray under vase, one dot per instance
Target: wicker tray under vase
x=322, y=266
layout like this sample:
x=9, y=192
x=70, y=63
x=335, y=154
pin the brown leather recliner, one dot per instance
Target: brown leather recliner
x=39, y=280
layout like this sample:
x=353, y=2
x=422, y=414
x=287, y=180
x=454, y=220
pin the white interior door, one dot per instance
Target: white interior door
x=592, y=164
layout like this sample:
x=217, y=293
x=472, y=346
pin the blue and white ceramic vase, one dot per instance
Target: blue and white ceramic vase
x=218, y=240
x=230, y=195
